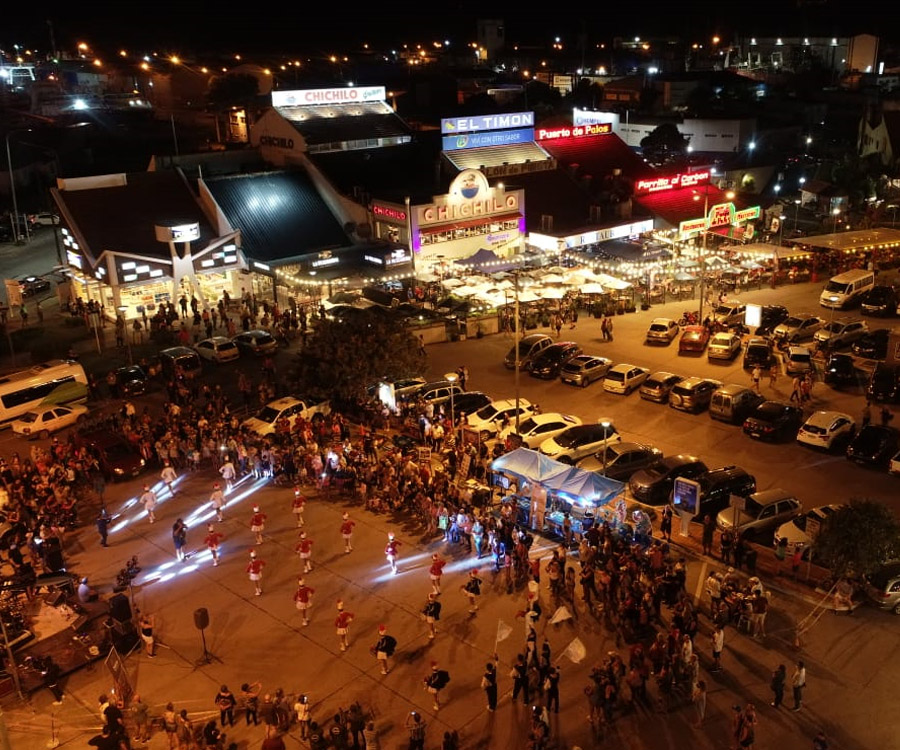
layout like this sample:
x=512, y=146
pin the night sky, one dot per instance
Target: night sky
x=293, y=26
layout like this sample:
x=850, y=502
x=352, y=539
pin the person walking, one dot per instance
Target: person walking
x=103, y=521
x=169, y=475
x=140, y=716
x=250, y=699
x=698, y=698
x=254, y=570
x=212, y=540
x=519, y=673
x=303, y=599
x=258, y=523
x=472, y=590
x=795, y=389
x=304, y=549
x=179, y=538
x=718, y=643
x=384, y=648
x=298, y=506
x=370, y=737
x=435, y=572
x=301, y=709
x=415, y=725
x=665, y=523
x=217, y=500
x=185, y=731
x=228, y=473
x=748, y=727
x=391, y=551
x=779, y=677
x=435, y=682
x=347, y=532
x=755, y=375
x=225, y=702
x=342, y=624
x=148, y=500
x=773, y=375
x=431, y=613
x=798, y=682
x=489, y=683
x=551, y=689
x=170, y=725
x=709, y=527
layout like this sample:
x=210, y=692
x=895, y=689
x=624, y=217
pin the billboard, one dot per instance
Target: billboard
x=504, y=121
x=342, y=95
x=481, y=140
x=574, y=131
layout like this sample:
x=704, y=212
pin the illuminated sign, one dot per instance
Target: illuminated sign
x=396, y=258
x=470, y=197
x=655, y=185
x=325, y=262
x=575, y=131
x=388, y=212
x=487, y=122
x=344, y=95
x=180, y=233
x=586, y=117
x=480, y=140
x=720, y=215
x=271, y=140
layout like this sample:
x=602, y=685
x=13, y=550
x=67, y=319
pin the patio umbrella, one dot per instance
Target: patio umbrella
x=551, y=292
x=499, y=275
x=683, y=276
x=731, y=271
x=552, y=278
x=592, y=288
x=751, y=265
x=555, y=269
x=452, y=283
x=528, y=296
x=714, y=260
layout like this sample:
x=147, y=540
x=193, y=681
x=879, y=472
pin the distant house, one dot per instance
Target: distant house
x=823, y=197
x=879, y=135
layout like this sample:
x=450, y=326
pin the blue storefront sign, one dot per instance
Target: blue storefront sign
x=480, y=140
x=504, y=121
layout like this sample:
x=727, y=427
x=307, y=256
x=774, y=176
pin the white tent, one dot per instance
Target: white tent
x=612, y=282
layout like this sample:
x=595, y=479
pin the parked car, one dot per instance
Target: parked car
x=131, y=380
x=797, y=360
x=873, y=345
x=693, y=394
x=584, y=369
x=467, y=402
x=653, y=485
x=549, y=362
x=734, y=403
x=624, y=378
x=529, y=347
x=759, y=353
x=763, y=512
x=841, y=332
x=265, y=421
x=884, y=384
x=824, y=428
x=770, y=317
x=439, y=392
x=873, y=445
x=117, y=457
x=716, y=488
x=798, y=327
x=403, y=388
x=32, y=285
x=723, y=346
x=620, y=460
x=256, y=342
x=580, y=441
x=217, y=349
x=694, y=339
x=497, y=415
x=45, y=219
x=773, y=420
x=730, y=313
x=662, y=331
x=539, y=427
x=795, y=530
x=879, y=300
x=883, y=587
x=43, y=421
x=658, y=386
x=840, y=371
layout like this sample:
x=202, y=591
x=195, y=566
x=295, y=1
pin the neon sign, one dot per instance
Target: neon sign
x=657, y=184
x=720, y=215
x=388, y=212
x=576, y=131
x=344, y=95
x=452, y=125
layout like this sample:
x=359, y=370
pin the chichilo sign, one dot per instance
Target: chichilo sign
x=317, y=97
x=470, y=197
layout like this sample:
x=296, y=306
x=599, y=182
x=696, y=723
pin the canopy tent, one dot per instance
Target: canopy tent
x=592, y=287
x=551, y=292
x=591, y=488
x=528, y=464
x=452, y=283
x=611, y=282
x=480, y=258
x=767, y=251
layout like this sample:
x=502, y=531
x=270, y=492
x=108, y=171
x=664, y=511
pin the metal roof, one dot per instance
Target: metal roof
x=859, y=239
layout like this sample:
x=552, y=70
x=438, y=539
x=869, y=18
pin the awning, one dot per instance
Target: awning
x=476, y=222
x=585, y=485
x=529, y=464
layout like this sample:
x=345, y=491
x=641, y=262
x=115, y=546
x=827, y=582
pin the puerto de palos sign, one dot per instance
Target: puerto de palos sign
x=720, y=215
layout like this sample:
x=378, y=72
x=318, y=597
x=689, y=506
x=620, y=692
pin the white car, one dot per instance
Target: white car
x=265, y=421
x=625, y=378
x=44, y=420
x=540, y=427
x=723, y=346
x=489, y=419
x=795, y=530
x=824, y=427
x=580, y=441
x=217, y=349
x=662, y=331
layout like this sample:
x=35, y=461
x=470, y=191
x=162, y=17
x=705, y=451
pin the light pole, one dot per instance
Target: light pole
x=122, y=310
x=452, y=377
x=729, y=195
x=893, y=210
x=605, y=425
x=12, y=183
x=796, y=213
x=835, y=212
x=516, y=339
x=781, y=229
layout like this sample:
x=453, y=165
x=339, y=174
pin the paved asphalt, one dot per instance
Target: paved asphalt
x=260, y=638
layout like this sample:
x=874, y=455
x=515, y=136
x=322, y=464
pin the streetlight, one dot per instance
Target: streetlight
x=452, y=377
x=729, y=196
x=781, y=229
x=802, y=182
x=777, y=189
x=835, y=212
x=12, y=186
x=605, y=425
x=893, y=209
x=796, y=213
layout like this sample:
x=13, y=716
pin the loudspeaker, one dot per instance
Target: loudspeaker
x=51, y=553
x=119, y=608
x=55, y=598
x=201, y=618
x=125, y=640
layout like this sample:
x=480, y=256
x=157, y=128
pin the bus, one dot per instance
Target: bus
x=58, y=381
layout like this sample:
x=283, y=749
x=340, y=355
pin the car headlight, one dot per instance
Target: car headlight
x=143, y=462
x=119, y=471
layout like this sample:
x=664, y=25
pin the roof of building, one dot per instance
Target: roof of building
x=599, y=156
x=122, y=218
x=280, y=214
x=860, y=239
x=346, y=122
x=675, y=206
x=496, y=156
x=551, y=193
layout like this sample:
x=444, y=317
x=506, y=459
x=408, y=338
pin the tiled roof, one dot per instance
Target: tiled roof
x=552, y=193
x=122, y=218
x=599, y=156
x=496, y=156
x=280, y=214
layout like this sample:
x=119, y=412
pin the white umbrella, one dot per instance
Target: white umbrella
x=528, y=296
x=612, y=282
x=751, y=265
x=715, y=260
x=452, y=283
x=552, y=292
x=555, y=269
x=552, y=278
x=592, y=288
x=499, y=275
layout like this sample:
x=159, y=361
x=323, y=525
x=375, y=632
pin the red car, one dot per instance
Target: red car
x=694, y=339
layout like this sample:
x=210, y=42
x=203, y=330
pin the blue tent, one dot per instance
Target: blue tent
x=529, y=464
x=587, y=486
x=482, y=256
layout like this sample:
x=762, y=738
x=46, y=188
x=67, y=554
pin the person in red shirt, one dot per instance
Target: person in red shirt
x=391, y=550
x=347, y=532
x=303, y=598
x=342, y=623
x=298, y=506
x=212, y=540
x=254, y=570
x=436, y=571
x=304, y=549
x=258, y=523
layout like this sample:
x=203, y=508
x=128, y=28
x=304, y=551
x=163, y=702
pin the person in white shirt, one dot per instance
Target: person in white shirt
x=169, y=476
x=148, y=500
x=718, y=643
x=798, y=682
x=228, y=474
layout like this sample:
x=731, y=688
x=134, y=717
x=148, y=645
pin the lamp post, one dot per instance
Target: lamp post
x=605, y=425
x=452, y=377
x=12, y=184
x=796, y=213
x=122, y=310
x=781, y=229
x=516, y=339
x=835, y=212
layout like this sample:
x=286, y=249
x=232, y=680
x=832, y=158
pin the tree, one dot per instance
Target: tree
x=343, y=357
x=664, y=144
x=233, y=89
x=858, y=538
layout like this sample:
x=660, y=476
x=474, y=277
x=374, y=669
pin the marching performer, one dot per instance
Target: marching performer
x=347, y=532
x=391, y=550
x=304, y=549
x=258, y=523
x=298, y=505
x=342, y=623
x=212, y=540
x=303, y=598
x=435, y=572
x=217, y=500
x=254, y=570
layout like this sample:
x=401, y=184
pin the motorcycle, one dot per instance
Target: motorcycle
x=689, y=318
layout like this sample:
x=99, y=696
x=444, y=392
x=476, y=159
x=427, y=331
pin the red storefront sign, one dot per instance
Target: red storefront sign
x=388, y=212
x=657, y=184
x=572, y=131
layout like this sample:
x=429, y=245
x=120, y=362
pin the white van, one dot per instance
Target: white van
x=843, y=289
